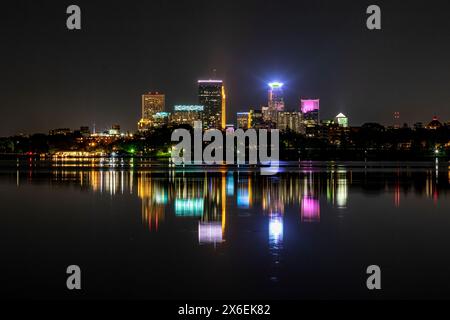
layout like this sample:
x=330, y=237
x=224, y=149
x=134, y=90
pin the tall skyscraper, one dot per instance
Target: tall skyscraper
x=152, y=103
x=276, y=100
x=211, y=95
x=310, y=111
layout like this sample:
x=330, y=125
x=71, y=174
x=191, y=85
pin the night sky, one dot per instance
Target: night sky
x=51, y=77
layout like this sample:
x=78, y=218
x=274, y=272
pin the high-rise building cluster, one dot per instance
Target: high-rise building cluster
x=304, y=119
x=211, y=110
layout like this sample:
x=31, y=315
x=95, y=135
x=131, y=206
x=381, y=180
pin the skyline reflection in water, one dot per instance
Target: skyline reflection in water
x=267, y=236
x=205, y=196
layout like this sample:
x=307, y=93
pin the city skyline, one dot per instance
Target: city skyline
x=214, y=158
x=153, y=105
x=67, y=79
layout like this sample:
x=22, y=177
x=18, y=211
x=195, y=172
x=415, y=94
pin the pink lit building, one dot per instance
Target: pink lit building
x=310, y=111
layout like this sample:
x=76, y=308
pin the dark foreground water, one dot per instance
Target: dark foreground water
x=143, y=230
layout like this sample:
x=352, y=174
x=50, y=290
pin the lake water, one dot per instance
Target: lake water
x=146, y=230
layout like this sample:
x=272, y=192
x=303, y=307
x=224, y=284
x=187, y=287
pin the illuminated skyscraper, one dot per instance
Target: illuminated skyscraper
x=152, y=103
x=211, y=95
x=310, y=111
x=276, y=101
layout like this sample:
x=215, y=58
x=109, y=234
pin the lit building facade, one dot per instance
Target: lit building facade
x=275, y=102
x=229, y=128
x=243, y=120
x=341, y=120
x=187, y=114
x=115, y=130
x=290, y=120
x=152, y=103
x=60, y=132
x=256, y=119
x=160, y=119
x=310, y=111
x=434, y=124
x=211, y=95
x=267, y=113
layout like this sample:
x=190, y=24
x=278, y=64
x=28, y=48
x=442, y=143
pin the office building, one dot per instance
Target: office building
x=256, y=119
x=152, y=103
x=290, y=121
x=243, y=120
x=310, y=111
x=160, y=119
x=211, y=95
x=115, y=130
x=341, y=120
x=275, y=102
x=187, y=114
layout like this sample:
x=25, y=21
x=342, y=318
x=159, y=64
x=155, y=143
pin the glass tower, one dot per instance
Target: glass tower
x=211, y=95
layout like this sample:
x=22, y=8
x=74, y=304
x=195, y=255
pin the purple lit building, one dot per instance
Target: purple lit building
x=310, y=111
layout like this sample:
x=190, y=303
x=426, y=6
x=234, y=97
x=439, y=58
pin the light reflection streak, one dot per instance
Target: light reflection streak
x=208, y=197
x=310, y=211
x=276, y=228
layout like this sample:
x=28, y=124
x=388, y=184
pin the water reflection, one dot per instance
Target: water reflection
x=210, y=196
x=310, y=209
x=279, y=226
x=275, y=243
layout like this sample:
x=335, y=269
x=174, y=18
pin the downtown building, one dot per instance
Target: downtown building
x=153, y=105
x=187, y=114
x=341, y=120
x=256, y=119
x=310, y=112
x=309, y=109
x=243, y=120
x=290, y=120
x=275, y=102
x=211, y=95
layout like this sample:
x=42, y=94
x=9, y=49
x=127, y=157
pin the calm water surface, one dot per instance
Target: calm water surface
x=145, y=230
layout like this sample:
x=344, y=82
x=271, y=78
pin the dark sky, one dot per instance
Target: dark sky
x=51, y=77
